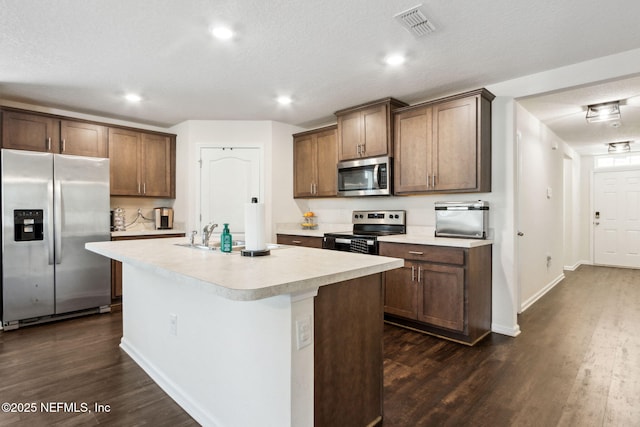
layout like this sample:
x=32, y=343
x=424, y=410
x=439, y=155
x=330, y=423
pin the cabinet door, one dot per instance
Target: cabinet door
x=124, y=159
x=83, y=139
x=156, y=165
x=412, y=155
x=375, y=138
x=327, y=159
x=31, y=132
x=401, y=291
x=304, y=164
x=456, y=145
x=441, y=301
x=349, y=135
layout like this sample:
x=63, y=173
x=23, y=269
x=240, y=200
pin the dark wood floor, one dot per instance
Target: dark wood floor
x=576, y=363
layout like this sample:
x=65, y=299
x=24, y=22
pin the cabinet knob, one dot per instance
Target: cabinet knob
x=520, y=233
x=416, y=253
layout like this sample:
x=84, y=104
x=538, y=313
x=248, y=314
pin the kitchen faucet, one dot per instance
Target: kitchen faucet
x=206, y=233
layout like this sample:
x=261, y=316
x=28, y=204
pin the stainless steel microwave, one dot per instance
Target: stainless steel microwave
x=365, y=177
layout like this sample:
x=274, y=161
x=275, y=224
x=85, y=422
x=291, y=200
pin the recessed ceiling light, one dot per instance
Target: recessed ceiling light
x=284, y=100
x=132, y=97
x=395, y=59
x=222, y=33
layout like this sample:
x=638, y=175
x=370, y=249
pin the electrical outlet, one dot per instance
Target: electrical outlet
x=173, y=324
x=304, y=333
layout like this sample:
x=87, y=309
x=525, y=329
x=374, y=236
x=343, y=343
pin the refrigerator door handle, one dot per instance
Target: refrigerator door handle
x=57, y=217
x=50, y=230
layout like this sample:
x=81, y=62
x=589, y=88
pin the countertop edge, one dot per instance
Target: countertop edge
x=290, y=287
x=435, y=241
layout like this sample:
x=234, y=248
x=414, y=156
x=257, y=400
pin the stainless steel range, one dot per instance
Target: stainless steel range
x=367, y=227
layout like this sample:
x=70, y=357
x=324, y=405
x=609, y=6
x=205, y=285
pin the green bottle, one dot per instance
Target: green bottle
x=226, y=242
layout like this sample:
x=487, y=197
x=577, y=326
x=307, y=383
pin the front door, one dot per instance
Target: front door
x=616, y=218
x=229, y=178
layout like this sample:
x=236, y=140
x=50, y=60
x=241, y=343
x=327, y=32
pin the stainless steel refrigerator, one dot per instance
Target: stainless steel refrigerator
x=52, y=204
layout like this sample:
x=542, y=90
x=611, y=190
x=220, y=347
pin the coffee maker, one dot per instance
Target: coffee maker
x=164, y=218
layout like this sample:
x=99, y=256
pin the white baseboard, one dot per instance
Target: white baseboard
x=572, y=267
x=169, y=387
x=511, y=331
x=528, y=303
x=576, y=265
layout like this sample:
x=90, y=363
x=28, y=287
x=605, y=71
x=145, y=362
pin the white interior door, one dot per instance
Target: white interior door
x=530, y=198
x=229, y=178
x=616, y=218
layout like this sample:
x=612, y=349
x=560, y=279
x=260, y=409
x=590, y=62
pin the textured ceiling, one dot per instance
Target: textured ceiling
x=83, y=55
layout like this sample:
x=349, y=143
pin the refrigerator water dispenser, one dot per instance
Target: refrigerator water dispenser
x=27, y=225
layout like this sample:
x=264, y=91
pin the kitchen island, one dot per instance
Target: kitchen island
x=289, y=339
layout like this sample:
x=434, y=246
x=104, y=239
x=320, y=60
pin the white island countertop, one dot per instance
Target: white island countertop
x=288, y=270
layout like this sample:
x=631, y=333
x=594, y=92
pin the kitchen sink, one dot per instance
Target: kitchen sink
x=236, y=246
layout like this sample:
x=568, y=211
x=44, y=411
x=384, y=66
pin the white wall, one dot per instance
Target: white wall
x=540, y=215
x=586, y=205
x=574, y=239
x=276, y=145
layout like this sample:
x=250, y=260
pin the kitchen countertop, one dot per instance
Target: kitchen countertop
x=306, y=232
x=424, y=239
x=289, y=269
x=296, y=230
x=415, y=235
x=140, y=232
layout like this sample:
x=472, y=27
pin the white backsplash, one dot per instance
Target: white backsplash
x=146, y=207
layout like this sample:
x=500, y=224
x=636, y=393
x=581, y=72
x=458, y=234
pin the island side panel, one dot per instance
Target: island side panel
x=225, y=362
x=348, y=353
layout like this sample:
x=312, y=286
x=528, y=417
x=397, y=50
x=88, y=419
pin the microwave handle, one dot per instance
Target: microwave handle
x=376, y=176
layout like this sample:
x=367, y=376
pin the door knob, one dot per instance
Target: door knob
x=520, y=233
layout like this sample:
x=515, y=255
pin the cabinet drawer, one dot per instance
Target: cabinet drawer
x=293, y=240
x=440, y=254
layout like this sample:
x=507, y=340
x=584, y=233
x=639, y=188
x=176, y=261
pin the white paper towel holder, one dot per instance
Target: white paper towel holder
x=255, y=252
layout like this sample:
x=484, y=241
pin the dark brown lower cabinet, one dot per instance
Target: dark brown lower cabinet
x=443, y=291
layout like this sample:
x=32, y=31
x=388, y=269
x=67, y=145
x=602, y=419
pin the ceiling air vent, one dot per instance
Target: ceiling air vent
x=415, y=21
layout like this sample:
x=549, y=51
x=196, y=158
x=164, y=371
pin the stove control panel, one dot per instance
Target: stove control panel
x=379, y=217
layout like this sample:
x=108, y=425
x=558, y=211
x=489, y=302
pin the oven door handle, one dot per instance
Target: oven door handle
x=348, y=241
